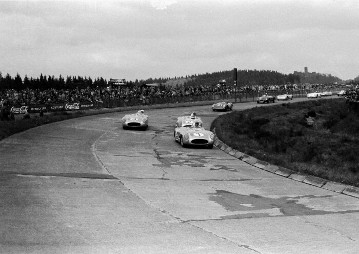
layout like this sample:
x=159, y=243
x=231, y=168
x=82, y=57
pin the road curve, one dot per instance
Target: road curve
x=87, y=186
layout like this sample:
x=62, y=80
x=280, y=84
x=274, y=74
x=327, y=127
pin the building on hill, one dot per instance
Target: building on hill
x=315, y=78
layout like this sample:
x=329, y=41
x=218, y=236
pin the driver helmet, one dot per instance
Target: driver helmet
x=193, y=115
x=141, y=111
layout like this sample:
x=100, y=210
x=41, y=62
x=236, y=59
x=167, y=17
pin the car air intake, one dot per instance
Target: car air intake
x=199, y=141
x=134, y=124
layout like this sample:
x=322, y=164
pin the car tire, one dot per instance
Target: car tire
x=210, y=146
x=181, y=142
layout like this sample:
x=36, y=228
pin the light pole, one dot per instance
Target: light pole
x=235, y=83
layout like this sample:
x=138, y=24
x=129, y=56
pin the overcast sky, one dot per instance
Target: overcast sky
x=140, y=39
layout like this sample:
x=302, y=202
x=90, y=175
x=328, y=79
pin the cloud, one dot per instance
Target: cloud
x=162, y=4
x=150, y=38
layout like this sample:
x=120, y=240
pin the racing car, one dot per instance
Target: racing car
x=189, y=132
x=222, y=106
x=285, y=97
x=135, y=121
x=266, y=99
x=314, y=95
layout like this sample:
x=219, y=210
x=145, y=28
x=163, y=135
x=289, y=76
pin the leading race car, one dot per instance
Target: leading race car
x=222, y=106
x=135, y=121
x=189, y=132
x=265, y=99
x=314, y=95
x=285, y=97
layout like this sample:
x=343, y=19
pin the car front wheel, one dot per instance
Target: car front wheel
x=181, y=142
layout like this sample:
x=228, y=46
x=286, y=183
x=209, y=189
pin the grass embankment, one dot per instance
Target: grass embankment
x=8, y=128
x=282, y=135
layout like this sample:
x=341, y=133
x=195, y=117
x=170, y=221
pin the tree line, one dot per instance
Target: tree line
x=244, y=78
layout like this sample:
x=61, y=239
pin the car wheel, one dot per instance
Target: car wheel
x=181, y=142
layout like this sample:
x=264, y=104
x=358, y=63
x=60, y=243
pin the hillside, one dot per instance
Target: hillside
x=319, y=138
x=245, y=78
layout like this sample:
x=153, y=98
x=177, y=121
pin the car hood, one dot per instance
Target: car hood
x=135, y=118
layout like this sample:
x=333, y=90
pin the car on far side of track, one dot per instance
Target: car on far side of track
x=326, y=93
x=222, y=106
x=138, y=120
x=266, y=99
x=314, y=95
x=341, y=93
x=284, y=97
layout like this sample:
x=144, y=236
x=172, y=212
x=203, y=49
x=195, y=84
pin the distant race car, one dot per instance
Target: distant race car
x=135, y=121
x=222, y=106
x=189, y=132
x=266, y=99
x=314, y=95
x=285, y=97
x=341, y=93
x=326, y=93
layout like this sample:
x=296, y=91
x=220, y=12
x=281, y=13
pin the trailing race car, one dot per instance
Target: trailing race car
x=341, y=93
x=135, y=121
x=266, y=99
x=326, y=93
x=285, y=97
x=222, y=106
x=189, y=132
x=314, y=95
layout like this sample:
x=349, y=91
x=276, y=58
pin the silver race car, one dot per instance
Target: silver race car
x=135, y=121
x=284, y=97
x=222, y=106
x=189, y=132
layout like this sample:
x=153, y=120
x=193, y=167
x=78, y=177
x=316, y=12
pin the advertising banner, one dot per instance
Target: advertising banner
x=87, y=105
x=19, y=109
x=72, y=106
x=36, y=108
x=56, y=107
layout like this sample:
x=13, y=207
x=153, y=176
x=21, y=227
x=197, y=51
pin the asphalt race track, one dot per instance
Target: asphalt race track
x=87, y=186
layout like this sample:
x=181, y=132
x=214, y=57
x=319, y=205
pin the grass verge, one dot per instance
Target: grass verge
x=316, y=137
